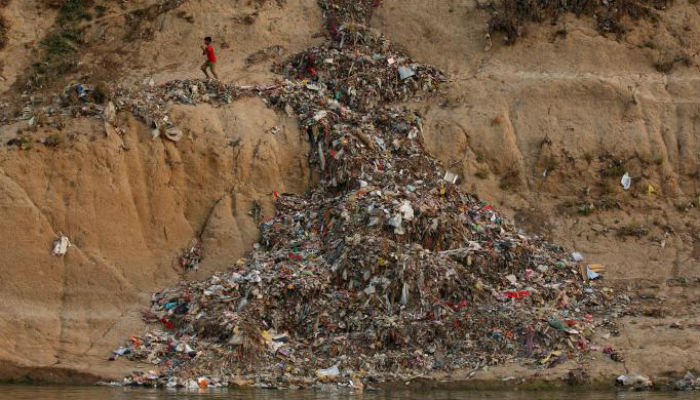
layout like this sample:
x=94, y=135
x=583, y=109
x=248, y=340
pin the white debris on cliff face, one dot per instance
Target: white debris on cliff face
x=60, y=246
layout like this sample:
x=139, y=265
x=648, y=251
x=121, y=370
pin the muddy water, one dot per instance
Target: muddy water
x=20, y=392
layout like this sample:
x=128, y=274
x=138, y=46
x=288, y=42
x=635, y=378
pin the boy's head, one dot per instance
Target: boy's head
x=207, y=40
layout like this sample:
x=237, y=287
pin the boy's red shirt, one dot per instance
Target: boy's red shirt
x=211, y=57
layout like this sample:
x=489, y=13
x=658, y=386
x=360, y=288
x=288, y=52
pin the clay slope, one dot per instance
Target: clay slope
x=125, y=41
x=130, y=205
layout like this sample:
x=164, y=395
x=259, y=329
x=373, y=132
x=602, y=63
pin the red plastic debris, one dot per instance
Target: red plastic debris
x=168, y=324
x=516, y=294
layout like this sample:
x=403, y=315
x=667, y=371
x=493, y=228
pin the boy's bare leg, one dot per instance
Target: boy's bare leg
x=213, y=71
x=204, y=69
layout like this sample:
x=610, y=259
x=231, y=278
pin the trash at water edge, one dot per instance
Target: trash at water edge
x=688, y=382
x=634, y=382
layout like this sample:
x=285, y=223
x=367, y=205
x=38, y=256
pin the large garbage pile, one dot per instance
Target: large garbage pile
x=385, y=271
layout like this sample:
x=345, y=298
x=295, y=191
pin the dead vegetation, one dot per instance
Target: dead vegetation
x=264, y=55
x=648, y=159
x=139, y=20
x=510, y=17
x=510, y=180
x=632, y=229
x=59, y=50
x=4, y=27
x=612, y=168
x=585, y=205
x=482, y=173
x=53, y=140
x=666, y=63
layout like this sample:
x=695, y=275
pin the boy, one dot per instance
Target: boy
x=208, y=50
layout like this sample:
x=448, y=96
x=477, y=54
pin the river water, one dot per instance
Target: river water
x=22, y=392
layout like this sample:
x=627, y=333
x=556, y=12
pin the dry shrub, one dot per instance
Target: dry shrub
x=510, y=16
x=510, y=179
x=4, y=27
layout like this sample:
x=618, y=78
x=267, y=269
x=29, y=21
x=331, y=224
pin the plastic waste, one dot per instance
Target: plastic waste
x=60, y=246
x=450, y=177
x=172, y=383
x=406, y=72
x=173, y=134
x=203, y=382
x=636, y=382
x=593, y=271
x=82, y=91
x=406, y=210
x=516, y=294
x=590, y=274
x=119, y=352
x=404, y=294
x=329, y=373
x=110, y=112
x=626, y=181
x=688, y=382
